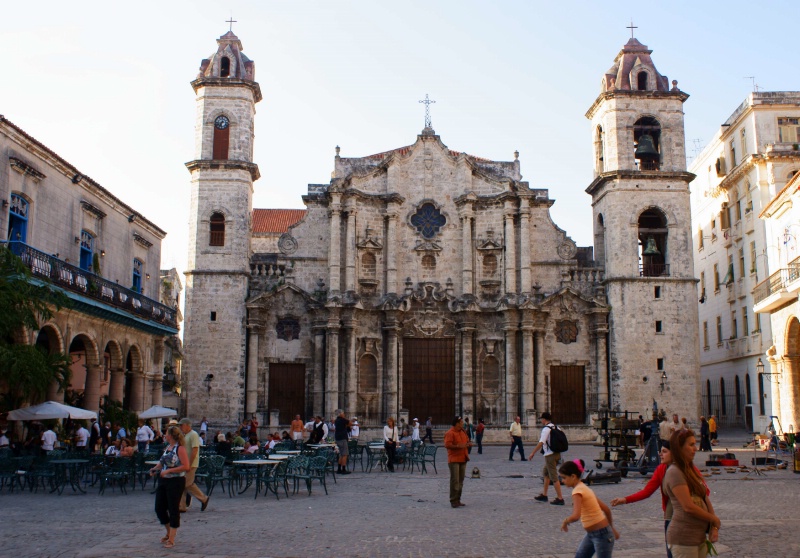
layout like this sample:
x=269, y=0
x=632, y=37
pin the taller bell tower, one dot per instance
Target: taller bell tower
x=222, y=176
x=642, y=230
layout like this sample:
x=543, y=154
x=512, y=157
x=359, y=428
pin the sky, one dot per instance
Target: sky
x=106, y=85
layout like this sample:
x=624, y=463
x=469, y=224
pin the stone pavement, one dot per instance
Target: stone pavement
x=397, y=515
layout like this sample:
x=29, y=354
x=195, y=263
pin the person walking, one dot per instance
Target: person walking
x=712, y=430
x=391, y=438
x=428, y=430
x=144, y=435
x=340, y=429
x=692, y=513
x=297, y=429
x=457, y=445
x=593, y=514
x=479, y=435
x=705, y=437
x=470, y=431
x=550, y=461
x=515, y=431
x=171, y=468
x=191, y=441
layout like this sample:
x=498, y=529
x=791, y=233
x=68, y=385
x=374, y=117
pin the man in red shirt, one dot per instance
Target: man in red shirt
x=457, y=445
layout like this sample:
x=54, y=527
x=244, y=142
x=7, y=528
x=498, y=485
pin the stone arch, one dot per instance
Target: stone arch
x=212, y=115
x=653, y=243
x=114, y=351
x=134, y=362
x=792, y=339
x=85, y=381
x=642, y=78
x=672, y=221
x=50, y=338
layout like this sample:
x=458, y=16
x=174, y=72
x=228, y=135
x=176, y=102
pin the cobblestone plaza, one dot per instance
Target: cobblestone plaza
x=400, y=514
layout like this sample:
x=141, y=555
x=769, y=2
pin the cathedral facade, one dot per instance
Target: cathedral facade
x=424, y=281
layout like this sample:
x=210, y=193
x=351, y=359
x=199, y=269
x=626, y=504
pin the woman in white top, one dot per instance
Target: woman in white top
x=390, y=440
x=415, y=431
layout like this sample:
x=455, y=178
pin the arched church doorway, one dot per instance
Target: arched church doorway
x=429, y=378
x=568, y=394
x=287, y=390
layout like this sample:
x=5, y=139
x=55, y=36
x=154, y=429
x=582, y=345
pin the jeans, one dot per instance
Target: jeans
x=457, y=473
x=142, y=446
x=598, y=543
x=479, y=441
x=168, y=498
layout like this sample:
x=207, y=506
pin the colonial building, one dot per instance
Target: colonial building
x=424, y=281
x=104, y=255
x=739, y=172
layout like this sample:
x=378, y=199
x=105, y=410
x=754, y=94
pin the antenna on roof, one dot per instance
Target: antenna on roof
x=698, y=146
x=753, y=81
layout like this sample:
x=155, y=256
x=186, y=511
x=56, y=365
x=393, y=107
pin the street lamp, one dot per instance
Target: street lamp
x=663, y=380
x=769, y=375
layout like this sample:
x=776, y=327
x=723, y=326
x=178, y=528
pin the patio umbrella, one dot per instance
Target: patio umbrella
x=157, y=411
x=50, y=410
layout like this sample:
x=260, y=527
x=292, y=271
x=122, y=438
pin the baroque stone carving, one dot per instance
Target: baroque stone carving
x=567, y=250
x=566, y=331
x=287, y=244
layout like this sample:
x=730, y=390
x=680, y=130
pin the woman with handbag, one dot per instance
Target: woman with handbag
x=390, y=441
x=172, y=468
x=692, y=513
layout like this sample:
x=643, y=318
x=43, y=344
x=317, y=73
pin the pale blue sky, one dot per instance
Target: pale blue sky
x=106, y=84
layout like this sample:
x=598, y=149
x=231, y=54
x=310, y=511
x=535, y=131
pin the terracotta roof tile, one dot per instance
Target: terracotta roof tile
x=275, y=220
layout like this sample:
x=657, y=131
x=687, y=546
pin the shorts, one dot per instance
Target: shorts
x=549, y=470
x=297, y=436
x=342, y=445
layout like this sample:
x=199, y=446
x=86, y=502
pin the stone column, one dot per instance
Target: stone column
x=540, y=393
x=510, y=249
x=158, y=387
x=525, y=249
x=775, y=391
x=334, y=254
x=399, y=372
x=55, y=393
x=527, y=371
x=390, y=383
x=251, y=381
x=466, y=254
x=467, y=329
x=350, y=251
x=391, y=253
x=332, y=368
x=137, y=390
x=116, y=386
x=600, y=339
x=318, y=384
x=788, y=389
x=351, y=371
x=91, y=392
x=512, y=379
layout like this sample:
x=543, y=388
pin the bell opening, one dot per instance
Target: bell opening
x=647, y=143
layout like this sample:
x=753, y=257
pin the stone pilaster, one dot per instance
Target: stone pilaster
x=390, y=382
x=525, y=249
x=512, y=378
x=251, y=377
x=391, y=253
x=116, y=386
x=540, y=389
x=334, y=255
x=510, y=249
x=351, y=372
x=467, y=332
x=91, y=393
x=527, y=364
x=601, y=341
x=332, y=367
x=350, y=250
x=318, y=382
x=775, y=391
x=467, y=273
x=788, y=390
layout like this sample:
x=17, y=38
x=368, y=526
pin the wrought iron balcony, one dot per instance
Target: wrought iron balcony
x=776, y=282
x=88, y=284
x=653, y=270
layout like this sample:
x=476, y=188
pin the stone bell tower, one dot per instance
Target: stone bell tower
x=642, y=231
x=219, y=228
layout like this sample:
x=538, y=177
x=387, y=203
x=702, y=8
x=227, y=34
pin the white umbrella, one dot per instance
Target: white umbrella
x=157, y=411
x=50, y=410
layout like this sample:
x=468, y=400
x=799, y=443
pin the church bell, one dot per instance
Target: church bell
x=651, y=249
x=646, y=149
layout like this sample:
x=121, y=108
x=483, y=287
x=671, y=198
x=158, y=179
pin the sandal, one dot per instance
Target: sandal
x=169, y=544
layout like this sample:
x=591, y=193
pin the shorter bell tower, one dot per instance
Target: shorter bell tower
x=642, y=231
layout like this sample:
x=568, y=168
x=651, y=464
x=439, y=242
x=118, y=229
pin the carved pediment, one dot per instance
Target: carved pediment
x=490, y=242
x=429, y=323
x=427, y=246
x=370, y=243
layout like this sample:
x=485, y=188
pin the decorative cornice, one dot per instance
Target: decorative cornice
x=25, y=169
x=94, y=210
x=228, y=82
x=607, y=95
x=139, y=239
x=683, y=176
x=214, y=164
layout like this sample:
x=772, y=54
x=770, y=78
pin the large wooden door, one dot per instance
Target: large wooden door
x=568, y=394
x=429, y=379
x=287, y=390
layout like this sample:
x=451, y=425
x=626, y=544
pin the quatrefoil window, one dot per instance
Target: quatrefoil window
x=428, y=220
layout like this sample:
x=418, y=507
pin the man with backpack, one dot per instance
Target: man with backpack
x=552, y=442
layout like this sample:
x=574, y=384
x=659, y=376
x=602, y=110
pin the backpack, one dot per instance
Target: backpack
x=558, y=442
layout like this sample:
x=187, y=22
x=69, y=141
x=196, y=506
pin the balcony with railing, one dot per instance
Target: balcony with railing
x=653, y=270
x=778, y=289
x=648, y=165
x=79, y=281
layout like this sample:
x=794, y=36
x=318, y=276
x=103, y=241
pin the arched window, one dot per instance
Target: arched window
x=225, y=67
x=368, y=374
x=761, y=394
x=641, y=81
x=600, y=239
x=647, y=143
x=18, y=219
x=722, y=403
x=599, y=148
x=653, y=244
x=737, y=390
x=489, y=265
x=217, y=230
x=221, y=138
x=136, y=283
x=368, y=265
x=87, y=250
x=748, y=391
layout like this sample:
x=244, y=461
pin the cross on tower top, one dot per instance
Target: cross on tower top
x=231, y=21
x=427, y=102
x=631, y=27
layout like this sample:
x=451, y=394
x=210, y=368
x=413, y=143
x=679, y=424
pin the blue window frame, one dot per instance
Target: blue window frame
x=87, y=250
x=428, y=220
x=18, y=219
x=137, y=275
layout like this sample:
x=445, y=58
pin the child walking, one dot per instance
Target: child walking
x=594, y=515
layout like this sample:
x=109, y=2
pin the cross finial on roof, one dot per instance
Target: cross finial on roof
x=231, y=21
x=631, y=27
x=427, y=102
